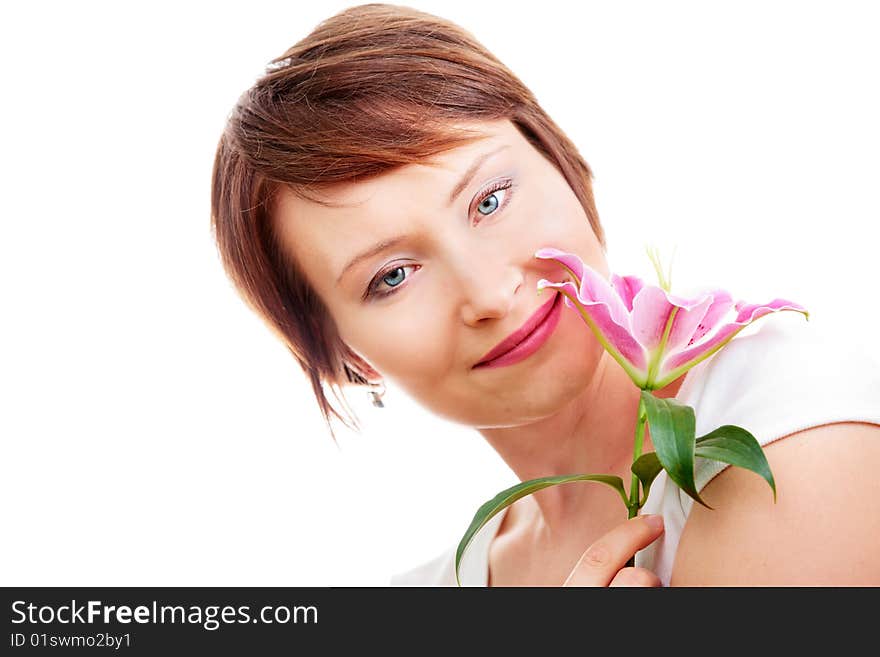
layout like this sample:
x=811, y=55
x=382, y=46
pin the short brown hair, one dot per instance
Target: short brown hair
x=370, y=89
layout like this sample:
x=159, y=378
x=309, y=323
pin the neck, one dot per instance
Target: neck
x=594, y=433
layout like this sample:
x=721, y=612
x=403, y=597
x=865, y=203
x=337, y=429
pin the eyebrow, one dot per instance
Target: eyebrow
x=376, y=249
x=391, y=242
x=469, y=174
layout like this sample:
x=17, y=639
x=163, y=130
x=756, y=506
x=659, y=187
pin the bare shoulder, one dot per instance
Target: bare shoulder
x=823, y=530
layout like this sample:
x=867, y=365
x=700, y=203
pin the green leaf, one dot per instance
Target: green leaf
x=736, y=446
x=510, y=495
x=646, y=468
x=673, y=433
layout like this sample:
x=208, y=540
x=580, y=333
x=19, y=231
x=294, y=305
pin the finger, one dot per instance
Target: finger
x=600, y=562
x=635, y=577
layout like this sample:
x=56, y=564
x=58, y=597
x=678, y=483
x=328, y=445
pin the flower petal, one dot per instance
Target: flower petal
x=570, y=261
x=616, y=338
x=593, y=286
x=627, y=288
x=651, y=310
x=721, y=304
x=677, y=364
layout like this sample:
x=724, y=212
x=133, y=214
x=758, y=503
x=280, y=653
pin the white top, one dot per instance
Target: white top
x=786, y=376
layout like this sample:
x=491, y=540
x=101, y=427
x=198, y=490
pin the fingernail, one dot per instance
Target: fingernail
x=654, y=521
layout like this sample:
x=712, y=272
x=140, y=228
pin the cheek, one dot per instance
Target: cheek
x=575, y=359
x=555, y=217
x=403, y=345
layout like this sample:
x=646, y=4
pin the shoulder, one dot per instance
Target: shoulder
x=789, y=376
x=811, y=397
x=824, y=528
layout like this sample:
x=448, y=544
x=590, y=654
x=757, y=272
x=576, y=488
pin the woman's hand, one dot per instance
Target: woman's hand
x=603, y=562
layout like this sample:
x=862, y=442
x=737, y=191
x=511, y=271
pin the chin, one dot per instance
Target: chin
x=534, y=404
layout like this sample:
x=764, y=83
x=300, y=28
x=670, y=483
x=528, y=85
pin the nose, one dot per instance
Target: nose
x=489, y=291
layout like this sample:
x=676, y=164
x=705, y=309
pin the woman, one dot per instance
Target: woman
x=378, y=197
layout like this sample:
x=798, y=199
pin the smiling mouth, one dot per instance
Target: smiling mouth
x=526, y=345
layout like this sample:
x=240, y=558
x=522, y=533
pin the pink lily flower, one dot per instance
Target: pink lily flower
x=656, y=336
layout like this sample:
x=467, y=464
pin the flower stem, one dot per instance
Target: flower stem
x=637, y=452
x=633, y=506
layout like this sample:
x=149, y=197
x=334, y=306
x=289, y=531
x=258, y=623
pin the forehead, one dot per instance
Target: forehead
x=323, y=236
x=452, y=161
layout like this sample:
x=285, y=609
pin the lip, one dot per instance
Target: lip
x=526, y=340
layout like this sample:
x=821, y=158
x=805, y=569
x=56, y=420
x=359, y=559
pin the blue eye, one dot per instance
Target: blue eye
x=490, y=203
x=385, y=278
x=491, y=207
x=393, y=277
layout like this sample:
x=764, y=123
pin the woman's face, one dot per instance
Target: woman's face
x=461, y=277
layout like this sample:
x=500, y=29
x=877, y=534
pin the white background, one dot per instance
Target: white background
x=154, y=431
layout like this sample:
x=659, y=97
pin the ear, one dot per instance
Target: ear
x=369, y=372
x=362, y=367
